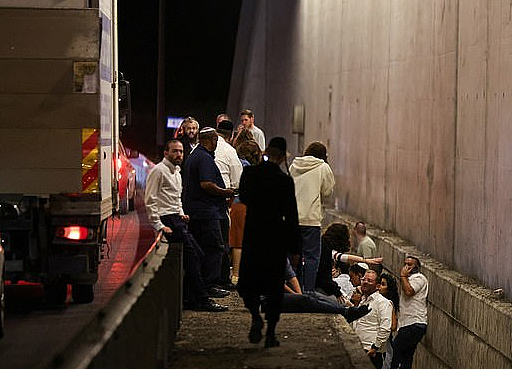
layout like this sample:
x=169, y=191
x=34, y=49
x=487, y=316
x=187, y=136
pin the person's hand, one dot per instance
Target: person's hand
x=371, y=352
x=185, y=218
x=166, y=229
x=405, y=271
x=229, y=193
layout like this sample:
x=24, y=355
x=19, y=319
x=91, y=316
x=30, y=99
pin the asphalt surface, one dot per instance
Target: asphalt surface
x=36, y=332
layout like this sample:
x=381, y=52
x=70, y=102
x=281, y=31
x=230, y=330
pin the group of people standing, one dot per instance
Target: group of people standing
x=244, y=221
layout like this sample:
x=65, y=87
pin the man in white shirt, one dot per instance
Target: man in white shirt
x=165, y=212
x=226, y=157
x=230, y=168
x=374, y=328
x=247, y=121
x=412, y=317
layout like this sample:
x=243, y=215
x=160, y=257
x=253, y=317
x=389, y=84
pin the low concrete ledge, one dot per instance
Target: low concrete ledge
x=137, y=327
x=470, y=326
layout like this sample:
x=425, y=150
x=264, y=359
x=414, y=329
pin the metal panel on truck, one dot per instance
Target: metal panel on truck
x=50, y=93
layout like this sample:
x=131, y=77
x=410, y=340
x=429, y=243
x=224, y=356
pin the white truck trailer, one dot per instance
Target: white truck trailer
x=61, y=102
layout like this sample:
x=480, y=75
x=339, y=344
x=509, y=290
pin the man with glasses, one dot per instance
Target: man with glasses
x=374, y=328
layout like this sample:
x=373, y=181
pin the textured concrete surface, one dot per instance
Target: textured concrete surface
x=469, y=325
x=414, y=101
x=219, y=340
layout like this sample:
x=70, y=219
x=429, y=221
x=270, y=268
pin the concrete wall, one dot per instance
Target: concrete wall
x=412, y=98
x=469, y=326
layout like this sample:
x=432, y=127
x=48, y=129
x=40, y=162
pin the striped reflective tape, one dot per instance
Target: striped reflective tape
x=90, y=160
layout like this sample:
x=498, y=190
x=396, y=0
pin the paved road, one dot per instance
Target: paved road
x=35, y=332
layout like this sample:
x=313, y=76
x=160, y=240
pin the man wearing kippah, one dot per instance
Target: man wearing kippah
x=204, y=200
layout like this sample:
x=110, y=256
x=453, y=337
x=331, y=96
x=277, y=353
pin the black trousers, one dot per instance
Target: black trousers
x=405, y=343
x=194, y=289
x=207, y=233
x=226, y=260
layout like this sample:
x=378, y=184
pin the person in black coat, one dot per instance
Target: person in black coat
x=271, y=233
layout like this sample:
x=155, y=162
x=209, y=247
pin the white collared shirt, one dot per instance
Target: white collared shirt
x=228, y=163
x=259, y=137
x=374, y=328
x=163, y=192
x=413, y=309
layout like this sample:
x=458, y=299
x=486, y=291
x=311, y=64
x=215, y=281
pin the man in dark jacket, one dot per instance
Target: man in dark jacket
x=271, y=232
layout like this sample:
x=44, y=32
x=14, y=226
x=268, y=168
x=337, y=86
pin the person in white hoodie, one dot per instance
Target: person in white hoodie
x=314, y=180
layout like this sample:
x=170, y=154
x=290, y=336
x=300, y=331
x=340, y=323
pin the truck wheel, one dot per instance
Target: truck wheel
x=56, y=292
x=82, y=293
x=123, y=203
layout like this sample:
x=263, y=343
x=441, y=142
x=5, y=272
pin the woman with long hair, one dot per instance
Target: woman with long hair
x=389, y=289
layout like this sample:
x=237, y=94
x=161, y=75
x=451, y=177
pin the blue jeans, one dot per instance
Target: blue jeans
x=310, y=302
x=405, y=344
x=311, y=249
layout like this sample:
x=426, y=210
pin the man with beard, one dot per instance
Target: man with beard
x=165, y=212
x=190, y=136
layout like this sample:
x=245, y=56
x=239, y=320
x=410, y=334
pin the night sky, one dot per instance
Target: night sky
x=200, y=42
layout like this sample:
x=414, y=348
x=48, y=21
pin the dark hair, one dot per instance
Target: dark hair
x=418, y=263
x=242, y=136
x=357, y=269
x=360, y=228
x=250, y=151
x=172, y=140
x=392, y=294
x=316, y=149
x=336, y=237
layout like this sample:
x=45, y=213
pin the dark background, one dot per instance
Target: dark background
x=200, y=41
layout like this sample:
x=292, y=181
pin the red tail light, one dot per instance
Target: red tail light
x=76, y=233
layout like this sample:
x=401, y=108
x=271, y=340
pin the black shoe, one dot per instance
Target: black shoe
x=217, y=292
x=210, y=305
x=228, y=286
x=353, y=313
x=271, y=341
x=255, y=332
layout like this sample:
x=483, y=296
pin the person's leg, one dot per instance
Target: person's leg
x=225, y=271
x=252, y=303
x=272, y=313
x=208, y=235
x=194, y=289
x=377, y=360
x=236, y=254
x=311, y=249
x=404, y=345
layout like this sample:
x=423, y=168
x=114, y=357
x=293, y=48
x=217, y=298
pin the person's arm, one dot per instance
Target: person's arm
x=385, y=313
x=328, y=181
x=235, y=172
x=293, y=286
x=394, y=321
x=405, y=272
x=215, y=190
x=150, y=199
x=354, y=258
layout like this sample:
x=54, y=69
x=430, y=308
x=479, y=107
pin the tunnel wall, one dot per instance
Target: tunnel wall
x=413, y=100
